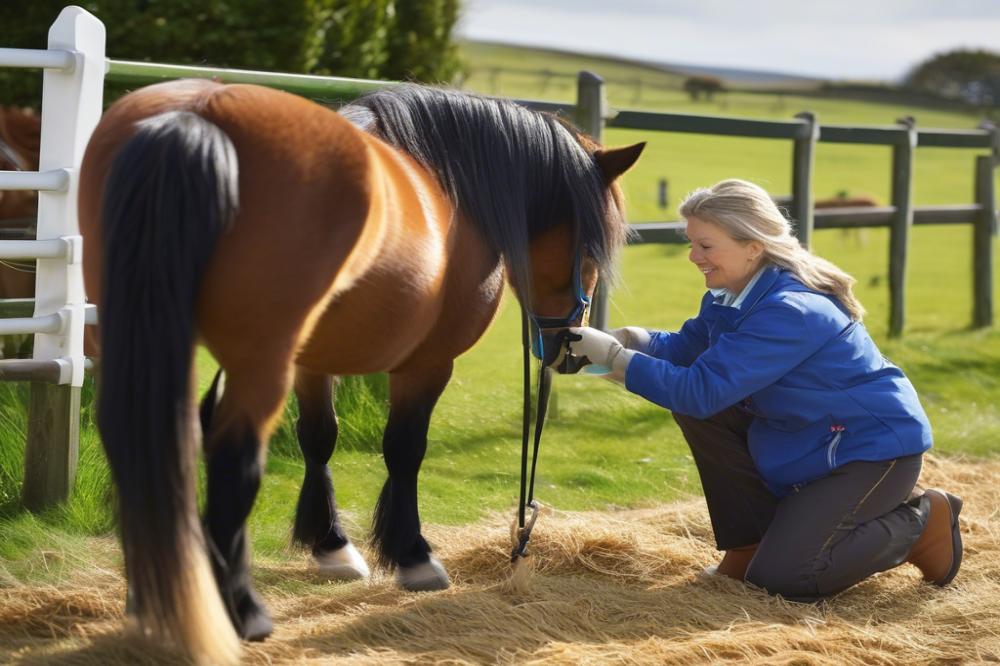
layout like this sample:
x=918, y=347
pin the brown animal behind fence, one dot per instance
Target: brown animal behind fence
x=844, y=200
x=20, y=138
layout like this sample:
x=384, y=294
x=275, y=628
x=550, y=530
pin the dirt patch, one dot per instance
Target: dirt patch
x=621, y=587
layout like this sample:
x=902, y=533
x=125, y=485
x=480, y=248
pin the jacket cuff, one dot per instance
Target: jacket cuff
x=640, y=372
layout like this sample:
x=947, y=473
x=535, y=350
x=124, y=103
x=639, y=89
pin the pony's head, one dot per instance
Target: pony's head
x=567, y=259
x=542, y=195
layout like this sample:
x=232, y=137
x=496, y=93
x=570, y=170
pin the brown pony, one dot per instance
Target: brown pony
x=298, y=244
x=20, y=136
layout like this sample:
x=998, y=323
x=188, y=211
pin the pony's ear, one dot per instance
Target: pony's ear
x=613, y=162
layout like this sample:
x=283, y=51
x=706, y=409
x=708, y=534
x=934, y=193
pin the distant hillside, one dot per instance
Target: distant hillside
x=544, y=73
x=517, y=59
x=747, y=78
x=514, y=57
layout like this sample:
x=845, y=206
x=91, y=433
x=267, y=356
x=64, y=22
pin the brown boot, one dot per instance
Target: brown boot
x=734, y=563
x=938, y=551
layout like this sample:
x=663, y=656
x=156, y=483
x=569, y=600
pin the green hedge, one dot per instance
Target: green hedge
x=390, y=39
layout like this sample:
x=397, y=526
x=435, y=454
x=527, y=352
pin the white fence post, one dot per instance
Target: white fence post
x=71, y=107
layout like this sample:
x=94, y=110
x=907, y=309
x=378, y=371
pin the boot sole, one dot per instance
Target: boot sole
x=955, y=506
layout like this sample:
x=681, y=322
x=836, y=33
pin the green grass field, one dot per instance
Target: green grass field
x=603, y=447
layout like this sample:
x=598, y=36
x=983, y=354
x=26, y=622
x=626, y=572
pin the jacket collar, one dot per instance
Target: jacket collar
x=763, y=285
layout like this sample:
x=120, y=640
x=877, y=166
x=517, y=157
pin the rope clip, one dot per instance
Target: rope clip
x=524, y=534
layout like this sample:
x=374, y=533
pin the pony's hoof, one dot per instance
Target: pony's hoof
x=257, y=626
x=424, y=577
x=344, y=563
x=254, y=621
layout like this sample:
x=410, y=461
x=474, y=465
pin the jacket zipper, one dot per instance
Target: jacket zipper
x=831, y=448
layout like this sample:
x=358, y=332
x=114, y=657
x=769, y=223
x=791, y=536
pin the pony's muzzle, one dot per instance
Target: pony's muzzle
x=555, y=342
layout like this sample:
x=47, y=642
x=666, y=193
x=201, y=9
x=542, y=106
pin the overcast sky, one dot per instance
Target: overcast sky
x=856, y=39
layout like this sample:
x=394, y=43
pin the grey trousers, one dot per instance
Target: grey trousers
x=822, y=538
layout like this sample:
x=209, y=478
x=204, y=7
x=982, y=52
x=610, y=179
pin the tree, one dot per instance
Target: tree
x=389, y=39
x=972, y=76
x=420, y=47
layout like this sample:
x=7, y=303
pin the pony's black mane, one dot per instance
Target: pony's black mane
x=514, y=172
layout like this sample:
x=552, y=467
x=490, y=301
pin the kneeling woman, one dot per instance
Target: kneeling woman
x=807, y=440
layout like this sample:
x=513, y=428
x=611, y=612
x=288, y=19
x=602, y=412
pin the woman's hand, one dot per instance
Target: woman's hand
x=601, y=348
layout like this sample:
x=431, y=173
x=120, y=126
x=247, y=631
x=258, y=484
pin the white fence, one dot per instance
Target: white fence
x=72, y=90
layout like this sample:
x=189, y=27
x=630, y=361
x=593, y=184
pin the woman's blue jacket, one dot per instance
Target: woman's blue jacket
x=821, y=392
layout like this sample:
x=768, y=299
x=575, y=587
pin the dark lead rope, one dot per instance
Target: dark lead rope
x=544, y=385
x=526, y=417
x=528, y=487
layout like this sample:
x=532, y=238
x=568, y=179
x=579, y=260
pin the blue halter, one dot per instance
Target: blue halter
x=581, y=311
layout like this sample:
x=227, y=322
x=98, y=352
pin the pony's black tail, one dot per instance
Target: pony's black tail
x=171, y=190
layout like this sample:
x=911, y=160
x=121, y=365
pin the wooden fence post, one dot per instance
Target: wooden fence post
x=802, y=168
x=982, y=244
x=899, y=227
x=591, y=102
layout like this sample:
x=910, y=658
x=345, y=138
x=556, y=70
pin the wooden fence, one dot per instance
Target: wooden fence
x=804, y=132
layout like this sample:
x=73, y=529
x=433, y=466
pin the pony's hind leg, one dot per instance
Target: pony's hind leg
x=316, y=523
x=239, y=425
x=396, y=524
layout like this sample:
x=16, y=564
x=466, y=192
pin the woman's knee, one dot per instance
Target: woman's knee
x=794, y=581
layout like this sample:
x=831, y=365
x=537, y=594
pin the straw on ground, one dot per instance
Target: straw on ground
x=620, y=587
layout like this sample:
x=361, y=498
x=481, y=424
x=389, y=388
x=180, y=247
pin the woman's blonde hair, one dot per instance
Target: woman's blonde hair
x=747, y=213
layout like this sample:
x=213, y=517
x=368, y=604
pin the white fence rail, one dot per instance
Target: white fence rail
x=56, y=180
x=38, y=58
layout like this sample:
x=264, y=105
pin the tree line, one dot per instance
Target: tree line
x=374, y=39
x=972, y=76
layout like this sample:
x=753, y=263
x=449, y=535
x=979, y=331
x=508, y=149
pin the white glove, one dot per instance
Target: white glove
x=601, y=348
x=632, y=337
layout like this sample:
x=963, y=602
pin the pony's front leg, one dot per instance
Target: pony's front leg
x=316, y=522
x=413, y=392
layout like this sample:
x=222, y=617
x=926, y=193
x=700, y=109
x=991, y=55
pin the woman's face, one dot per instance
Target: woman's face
x=726, y=263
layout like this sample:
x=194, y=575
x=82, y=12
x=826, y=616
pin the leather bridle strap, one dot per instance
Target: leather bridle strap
x=528, y=482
